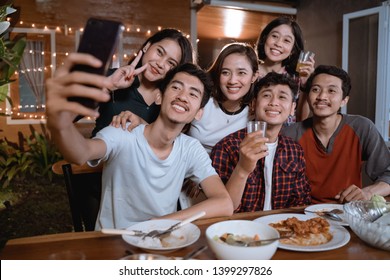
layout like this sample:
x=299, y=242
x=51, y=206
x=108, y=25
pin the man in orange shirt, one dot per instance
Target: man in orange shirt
x=336, y=145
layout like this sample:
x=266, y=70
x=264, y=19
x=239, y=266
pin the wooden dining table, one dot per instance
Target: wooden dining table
x=95, y=245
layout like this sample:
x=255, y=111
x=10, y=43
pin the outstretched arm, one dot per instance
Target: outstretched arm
x=61, y=112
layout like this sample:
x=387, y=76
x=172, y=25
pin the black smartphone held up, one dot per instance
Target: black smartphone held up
x=100, y=39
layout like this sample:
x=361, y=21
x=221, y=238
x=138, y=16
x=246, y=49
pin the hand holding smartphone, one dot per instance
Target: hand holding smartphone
x=100, y=38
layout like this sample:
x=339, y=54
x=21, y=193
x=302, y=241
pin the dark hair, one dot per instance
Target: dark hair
x=273, y=78
x=333, y=71
x=192, y=70
x=216, y=69
x=187, y=51
x=290, y=63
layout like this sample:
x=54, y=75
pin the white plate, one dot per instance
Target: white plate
x=180, y=238
x=340, y=235
x=328, y=207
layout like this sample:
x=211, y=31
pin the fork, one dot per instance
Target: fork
x=328, y=214
x=160, y=233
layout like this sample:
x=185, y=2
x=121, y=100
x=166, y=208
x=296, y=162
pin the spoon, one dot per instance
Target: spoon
x=328, y=214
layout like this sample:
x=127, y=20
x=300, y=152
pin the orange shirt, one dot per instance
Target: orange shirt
x=334, y=168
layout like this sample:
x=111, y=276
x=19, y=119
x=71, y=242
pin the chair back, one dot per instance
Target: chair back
x=83, y=186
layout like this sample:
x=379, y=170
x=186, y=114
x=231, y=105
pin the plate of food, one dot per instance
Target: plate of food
x=319, y=210
x=306, y=233
x=179, y=238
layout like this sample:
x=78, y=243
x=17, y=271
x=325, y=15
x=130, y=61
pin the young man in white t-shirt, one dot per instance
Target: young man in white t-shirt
x=144, y=169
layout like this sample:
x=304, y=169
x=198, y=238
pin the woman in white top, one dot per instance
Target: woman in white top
x=233, y=72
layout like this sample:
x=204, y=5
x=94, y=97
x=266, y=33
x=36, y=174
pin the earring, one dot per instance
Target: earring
x=144, y=50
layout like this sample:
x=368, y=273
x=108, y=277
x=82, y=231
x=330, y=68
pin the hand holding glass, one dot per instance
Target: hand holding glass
x=253, y=126
x=304, y=57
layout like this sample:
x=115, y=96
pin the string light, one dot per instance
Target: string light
x=65, y=30
x=69, y=29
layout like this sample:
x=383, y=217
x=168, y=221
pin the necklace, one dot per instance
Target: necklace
x=230, y=114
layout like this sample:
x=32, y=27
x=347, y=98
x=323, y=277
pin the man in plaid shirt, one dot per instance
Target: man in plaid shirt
x=264, y=173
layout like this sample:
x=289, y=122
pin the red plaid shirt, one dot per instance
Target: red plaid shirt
x=290, y=186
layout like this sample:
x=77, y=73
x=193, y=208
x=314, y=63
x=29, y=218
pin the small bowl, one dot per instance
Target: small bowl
x=359, y=215
x=225, y=251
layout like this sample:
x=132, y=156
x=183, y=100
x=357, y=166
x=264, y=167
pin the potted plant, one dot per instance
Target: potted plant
x=11, y=52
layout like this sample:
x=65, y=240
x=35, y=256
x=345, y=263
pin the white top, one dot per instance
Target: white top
x=268, y=167
x=136, y=184
x=216, y=124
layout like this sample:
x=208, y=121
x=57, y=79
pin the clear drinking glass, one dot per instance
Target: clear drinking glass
x=303, y=58
x=256, y=126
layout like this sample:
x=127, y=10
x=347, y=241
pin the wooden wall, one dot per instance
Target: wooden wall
x=145, y=15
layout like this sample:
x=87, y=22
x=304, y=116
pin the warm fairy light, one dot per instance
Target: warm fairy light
x=68, y=29
x=66, y=54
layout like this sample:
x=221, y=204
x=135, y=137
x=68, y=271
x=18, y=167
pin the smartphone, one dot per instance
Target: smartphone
x=100, y=39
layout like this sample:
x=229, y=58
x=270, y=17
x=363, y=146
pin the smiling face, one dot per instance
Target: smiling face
x=279, y=43
x=236, y=76
x=273, y=104
x=161, y=57
x=326, y=96
x=182, y=99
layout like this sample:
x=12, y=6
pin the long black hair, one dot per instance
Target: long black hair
x=290, y=63
x=187, y=51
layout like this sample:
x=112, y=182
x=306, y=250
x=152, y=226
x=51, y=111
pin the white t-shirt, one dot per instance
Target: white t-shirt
x=268, y=168
x=136, y=184
x=216, y=124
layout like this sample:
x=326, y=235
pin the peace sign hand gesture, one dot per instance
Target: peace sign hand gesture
x=124, y=76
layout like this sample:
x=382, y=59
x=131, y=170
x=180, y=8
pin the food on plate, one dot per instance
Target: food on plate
x=311, y=232
x=237, y=239
x=172, y=240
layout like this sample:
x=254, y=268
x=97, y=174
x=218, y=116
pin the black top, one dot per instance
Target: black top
x=125, y=99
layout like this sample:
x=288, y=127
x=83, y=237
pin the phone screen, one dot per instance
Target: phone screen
x=100, y=38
